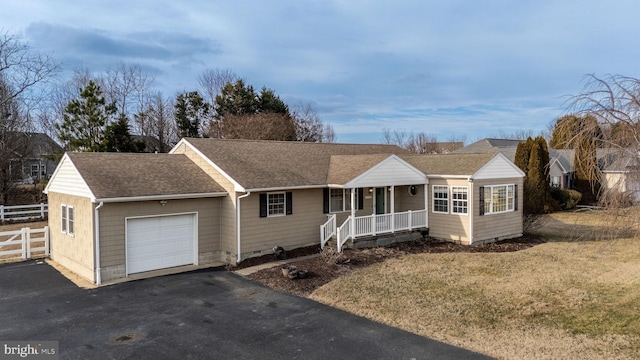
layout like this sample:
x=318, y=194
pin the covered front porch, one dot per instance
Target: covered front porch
x=384, y=197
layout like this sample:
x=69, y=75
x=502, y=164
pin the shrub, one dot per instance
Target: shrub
x=567, y=199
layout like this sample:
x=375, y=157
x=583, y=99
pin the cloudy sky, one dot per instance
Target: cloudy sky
x=447, y=68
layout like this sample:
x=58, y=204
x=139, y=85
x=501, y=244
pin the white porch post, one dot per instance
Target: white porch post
x=393, y=208
x=353, y=213
x=426, y=203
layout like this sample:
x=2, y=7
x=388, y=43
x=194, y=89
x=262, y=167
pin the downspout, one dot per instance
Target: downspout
x=239, y=255
x=97, y=237
x=470, y=210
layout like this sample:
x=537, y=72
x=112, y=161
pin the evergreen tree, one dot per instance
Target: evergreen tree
x=190, y=113
x=118, y=137
x=85, y=120
x=523, y=152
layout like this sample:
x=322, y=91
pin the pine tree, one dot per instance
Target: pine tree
x=190, y=112
x=118, y=137
x=85, y=120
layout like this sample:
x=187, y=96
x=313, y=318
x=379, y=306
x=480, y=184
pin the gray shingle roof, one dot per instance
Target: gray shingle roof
x=506, y=146
x=259, y=164
x=449, y=164
x=117, y=175
x=344, y=168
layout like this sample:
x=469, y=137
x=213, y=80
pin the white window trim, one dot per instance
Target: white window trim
x=284, y=207
x=65, y=220
x=512, y=209
x=466, y=201
x=71, y=220
x=433, y=198
x=346, y=201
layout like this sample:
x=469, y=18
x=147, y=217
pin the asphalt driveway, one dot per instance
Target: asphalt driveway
x=210, y=314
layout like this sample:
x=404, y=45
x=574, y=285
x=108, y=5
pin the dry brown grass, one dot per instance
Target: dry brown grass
x=563, y=299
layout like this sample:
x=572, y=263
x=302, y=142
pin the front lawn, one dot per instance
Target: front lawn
x=566, y=298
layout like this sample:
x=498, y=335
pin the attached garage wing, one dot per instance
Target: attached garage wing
x=160, y=242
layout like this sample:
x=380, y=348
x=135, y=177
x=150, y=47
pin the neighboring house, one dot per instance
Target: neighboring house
x=151, y=144
x=212, y=201
x=620, y=167
x=38, y=160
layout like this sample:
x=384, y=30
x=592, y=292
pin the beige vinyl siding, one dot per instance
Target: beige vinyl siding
x=490, y=227
x=73, y=252
x=406, y=202
x=228, y=238
x=301, y=228
x=450, y=227
x=112, y=226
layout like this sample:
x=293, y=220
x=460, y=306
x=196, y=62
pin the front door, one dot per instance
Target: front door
x=381, y=203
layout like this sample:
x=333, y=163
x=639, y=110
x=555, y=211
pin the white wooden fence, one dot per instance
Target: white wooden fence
x=23, y=212
x=24, y=244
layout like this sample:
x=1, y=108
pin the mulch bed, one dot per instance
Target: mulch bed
x=331, y=265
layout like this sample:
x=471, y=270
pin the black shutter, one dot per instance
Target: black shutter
x=263, y=205
x=515, y=197
x=360, y=198
x=481, y=197
x=325, y=200
x=289, y=202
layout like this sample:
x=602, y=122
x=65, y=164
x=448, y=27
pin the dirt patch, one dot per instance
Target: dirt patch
x=331, y=265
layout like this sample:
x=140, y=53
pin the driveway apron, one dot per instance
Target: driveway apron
x=207, y=314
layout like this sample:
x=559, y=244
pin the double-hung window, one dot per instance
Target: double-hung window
x=276, y=204
x=67, y=219
x=499, y=198
x=459, y=199
x=340, y=200
x=440, y=199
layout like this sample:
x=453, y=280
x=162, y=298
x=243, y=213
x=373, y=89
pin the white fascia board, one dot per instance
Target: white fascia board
x=55, y=172
x=236, y=185
x=284, y=188
x=437, y=176
x=160, y=197
x=66, y=159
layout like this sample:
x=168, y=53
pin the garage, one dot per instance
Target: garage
x=160, y=242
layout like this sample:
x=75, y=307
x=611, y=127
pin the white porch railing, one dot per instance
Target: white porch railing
x=23, y=212
x=327, y=230
x=20, y=242
x=372, y=225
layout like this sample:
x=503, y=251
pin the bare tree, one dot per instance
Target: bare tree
x=261, y=126
x=22, y=72
x=162, y=126
x=22, y=69
x=309, y=126
x=132, y=88
x=420, y=143
x=614, y=101
x=213, y=80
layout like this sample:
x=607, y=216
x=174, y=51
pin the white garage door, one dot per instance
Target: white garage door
x=160, y=242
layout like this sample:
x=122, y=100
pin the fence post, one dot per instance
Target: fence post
x=42, y=210
x=2, y=212
x=46, y=241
